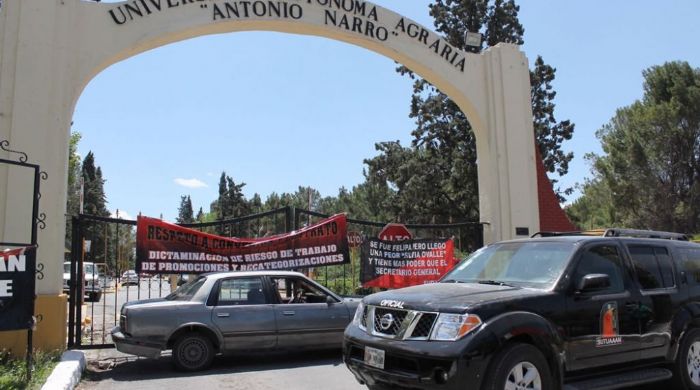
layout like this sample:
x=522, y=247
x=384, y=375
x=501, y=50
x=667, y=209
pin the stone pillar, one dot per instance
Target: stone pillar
x=506, y=158
x=35, y=113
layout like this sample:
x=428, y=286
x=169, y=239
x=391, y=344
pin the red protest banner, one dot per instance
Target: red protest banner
x=396, y=264
x=165, y=248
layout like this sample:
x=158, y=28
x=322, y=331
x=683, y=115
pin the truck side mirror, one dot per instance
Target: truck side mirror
x=593, y=282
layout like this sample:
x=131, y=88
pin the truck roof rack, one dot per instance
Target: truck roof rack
x=574, y=233
x=645, y=234
x=618, y=233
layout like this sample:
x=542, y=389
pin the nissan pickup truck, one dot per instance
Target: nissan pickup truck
x=554, y=312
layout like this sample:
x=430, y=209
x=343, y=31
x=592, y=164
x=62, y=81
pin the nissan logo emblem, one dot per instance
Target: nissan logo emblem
x=386, y=321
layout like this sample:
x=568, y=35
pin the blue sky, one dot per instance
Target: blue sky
x=277, y=111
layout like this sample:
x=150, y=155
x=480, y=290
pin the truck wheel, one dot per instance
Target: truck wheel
x=519, y=366
x=193, y=352
x=686, y=369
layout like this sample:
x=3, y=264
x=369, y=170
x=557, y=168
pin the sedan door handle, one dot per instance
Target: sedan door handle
x=223, y=315
x=289, y=312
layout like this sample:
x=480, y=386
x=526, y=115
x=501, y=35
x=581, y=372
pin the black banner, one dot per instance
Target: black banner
x=17, y=270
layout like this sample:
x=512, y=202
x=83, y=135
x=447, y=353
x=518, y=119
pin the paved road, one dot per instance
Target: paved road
x=287, y=372
x=279, y=372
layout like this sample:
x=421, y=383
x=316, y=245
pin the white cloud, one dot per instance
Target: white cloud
x=191, y=183
x=122, y=214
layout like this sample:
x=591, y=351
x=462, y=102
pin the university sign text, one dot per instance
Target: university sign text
x=353, y=16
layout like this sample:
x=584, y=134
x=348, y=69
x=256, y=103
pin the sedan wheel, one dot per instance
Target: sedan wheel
x=193, y=352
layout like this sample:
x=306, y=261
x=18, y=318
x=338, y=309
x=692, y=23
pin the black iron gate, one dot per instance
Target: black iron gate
x=103, y=257
x=37, y=222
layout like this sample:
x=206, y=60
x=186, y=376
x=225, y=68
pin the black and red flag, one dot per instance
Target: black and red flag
x=165, y=248
x=396, y=264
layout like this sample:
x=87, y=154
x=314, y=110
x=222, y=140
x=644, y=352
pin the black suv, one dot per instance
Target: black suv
x=556, y=312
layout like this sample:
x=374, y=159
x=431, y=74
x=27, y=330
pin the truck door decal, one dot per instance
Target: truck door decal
x=609, y=326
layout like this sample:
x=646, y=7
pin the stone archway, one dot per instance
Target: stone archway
x=50, y=50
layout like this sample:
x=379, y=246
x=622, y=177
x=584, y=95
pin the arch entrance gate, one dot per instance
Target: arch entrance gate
x=51, y=49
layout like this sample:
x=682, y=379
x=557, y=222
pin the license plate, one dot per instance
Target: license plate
x=374, y=357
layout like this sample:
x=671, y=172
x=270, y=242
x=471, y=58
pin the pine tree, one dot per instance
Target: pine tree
x=444, y=146
x=549, y=134
x=94, y=198
x=650, y=172
x=73, y=192
x=185, y=211
x=95, y=203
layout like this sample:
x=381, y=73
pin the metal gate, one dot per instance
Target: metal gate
x=35, y=175
x=101, y=277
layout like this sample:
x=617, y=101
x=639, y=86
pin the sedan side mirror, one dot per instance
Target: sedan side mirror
x=594, y=282
x=330, y=300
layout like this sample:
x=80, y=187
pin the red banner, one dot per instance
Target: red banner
x=165, y=248
x=396, y=264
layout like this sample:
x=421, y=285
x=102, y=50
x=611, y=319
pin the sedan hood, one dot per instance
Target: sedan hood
x=448, y=297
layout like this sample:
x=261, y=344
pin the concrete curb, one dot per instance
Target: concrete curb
x=67, y=373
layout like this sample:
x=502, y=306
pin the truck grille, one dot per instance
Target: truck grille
x=424, y=325
x=388, y=321
x=398, y=323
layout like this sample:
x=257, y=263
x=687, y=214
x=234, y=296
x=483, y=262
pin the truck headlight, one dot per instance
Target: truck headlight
x=451, y=327
x=359, y=312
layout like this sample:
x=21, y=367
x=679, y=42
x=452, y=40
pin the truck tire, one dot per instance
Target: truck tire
x=193, y=352
x=520, y=366
x=686, y=368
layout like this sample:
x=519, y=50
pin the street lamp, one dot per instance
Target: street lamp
x=472, y=41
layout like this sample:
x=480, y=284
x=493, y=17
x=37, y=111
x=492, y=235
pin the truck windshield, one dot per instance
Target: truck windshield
x=522, y=264
x=90, y=269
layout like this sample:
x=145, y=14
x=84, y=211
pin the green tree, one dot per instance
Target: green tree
x=94, y=198
x=185, y=211
x=230, y=204
x=95, y=203
x=444, y=145
x=594, y=209
x=73, y=192
x=549, y=134
x=651, y=163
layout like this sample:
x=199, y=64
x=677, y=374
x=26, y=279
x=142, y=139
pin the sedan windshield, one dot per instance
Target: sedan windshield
x=522, y=264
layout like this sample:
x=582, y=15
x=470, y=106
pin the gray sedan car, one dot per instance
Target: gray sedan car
x=235, y=312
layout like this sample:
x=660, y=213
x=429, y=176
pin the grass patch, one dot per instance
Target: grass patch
x=13, y=371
